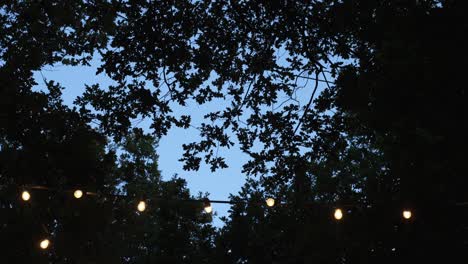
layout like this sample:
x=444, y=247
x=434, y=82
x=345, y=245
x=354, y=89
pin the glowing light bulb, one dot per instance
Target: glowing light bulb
x=407, y=214
x=25, y=196
x=208, y=209
x=270, y=202
x=207, y=206
x=141, y=206
x=44, y=244
x=338, y=214
x=78, y=194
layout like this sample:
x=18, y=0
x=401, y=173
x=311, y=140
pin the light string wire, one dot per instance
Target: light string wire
x=270, y=201
x=338, y=214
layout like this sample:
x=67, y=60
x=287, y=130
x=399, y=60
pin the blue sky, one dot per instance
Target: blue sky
x=219, y=184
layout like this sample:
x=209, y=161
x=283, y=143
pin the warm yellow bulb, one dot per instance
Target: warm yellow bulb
x=208, y=209
x=25, y=196
x=44, y=243
x=407, y=214
x=78, y=194
x=141, y=206
x=270, y=202
x=338, y=214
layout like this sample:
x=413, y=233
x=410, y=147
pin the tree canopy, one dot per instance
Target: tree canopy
x=382, y=127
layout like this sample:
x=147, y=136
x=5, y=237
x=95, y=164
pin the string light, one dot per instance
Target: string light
x=407, y=214
x=338, y=214
x=208, y=209
x=78, y=194
x=44, y=244
x=141, y=206
x=25, y=195
x=207, y=206
x=270, y=202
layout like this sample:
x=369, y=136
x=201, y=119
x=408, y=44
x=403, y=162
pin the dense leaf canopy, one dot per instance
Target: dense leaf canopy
x=381, y=128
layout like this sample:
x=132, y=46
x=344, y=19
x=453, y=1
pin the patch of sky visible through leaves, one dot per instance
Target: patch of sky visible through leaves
x=219, y=184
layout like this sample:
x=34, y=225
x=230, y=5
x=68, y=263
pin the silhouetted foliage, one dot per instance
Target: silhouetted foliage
x=382, y=128
x=53, y=146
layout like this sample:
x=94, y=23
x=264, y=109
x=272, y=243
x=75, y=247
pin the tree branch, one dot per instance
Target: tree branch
x=308, y=104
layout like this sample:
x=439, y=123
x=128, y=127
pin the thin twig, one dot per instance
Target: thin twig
x=308, y=104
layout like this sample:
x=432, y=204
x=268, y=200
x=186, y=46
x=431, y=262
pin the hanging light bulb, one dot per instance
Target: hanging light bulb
x=141, y=206
x=44, y=244
x=407, y=214
x=338, y=214
x=207, y=206
x=78, y=194
x=25, y=196
x=208, y=209
x=270, y=202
